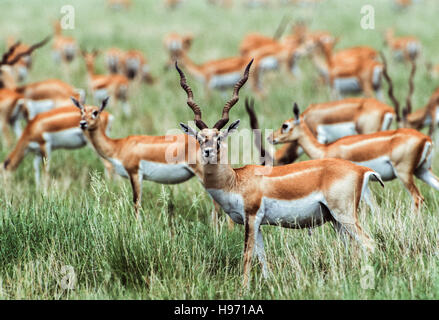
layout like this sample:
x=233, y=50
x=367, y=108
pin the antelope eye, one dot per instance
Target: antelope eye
x=95, y=114
x=285, y=127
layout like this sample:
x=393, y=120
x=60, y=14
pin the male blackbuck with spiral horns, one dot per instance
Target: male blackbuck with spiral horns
x=329, y=121
x=427, y=116
x=300, y=195
x=401, y=153
x=30, y=99
x=54, y=129
x=161, y=159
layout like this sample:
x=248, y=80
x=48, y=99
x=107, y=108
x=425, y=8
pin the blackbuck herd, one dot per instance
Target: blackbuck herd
x=349, y=140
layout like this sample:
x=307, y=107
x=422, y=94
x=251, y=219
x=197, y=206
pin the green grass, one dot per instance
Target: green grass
x=84, y=221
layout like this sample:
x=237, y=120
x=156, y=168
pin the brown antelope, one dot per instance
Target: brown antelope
x=114, y=60
x=102, y=86
x=331, y=121
x=216, y=74
x=175, y=44
x=22, y=66
x=330, y=189
x=350, y=70
x=64, y=48
x=404, y=48
x=140, y=158
x=136, y=66
x=30, y=99
x=254, y=40
x=401, y=153
x=54, y=129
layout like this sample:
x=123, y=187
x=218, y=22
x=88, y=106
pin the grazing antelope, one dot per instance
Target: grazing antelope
x=300, y=195
x=352, y=70
x=54, y=129
x=102, y=86
x=331, y=121
x=404, y=48
x=401, y=153
x=175, y=44
x=64, y=48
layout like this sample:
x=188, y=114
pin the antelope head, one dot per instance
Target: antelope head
x=9, y=60
x=212, y=140
x=289, y=131
x=90, y=119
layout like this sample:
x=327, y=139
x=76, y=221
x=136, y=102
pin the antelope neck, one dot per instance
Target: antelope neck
x=218, y=176
x=103, y=144
x=309, y=143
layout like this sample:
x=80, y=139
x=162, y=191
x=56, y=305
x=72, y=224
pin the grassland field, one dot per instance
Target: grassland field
x=86, y=221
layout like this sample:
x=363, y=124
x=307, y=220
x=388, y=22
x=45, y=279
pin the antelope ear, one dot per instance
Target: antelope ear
x=77, y=103
x=296, y=111
x=188, y=130
x=104, y=104
x=232, y=128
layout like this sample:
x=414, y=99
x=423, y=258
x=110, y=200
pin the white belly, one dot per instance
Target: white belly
x=35, y=107
x=224, y=81
x=382, y=165
x=327, y=133
x=157, y=172
x=232, y=204
x=350, y=84
x=269, y=63
x=300, y=213
x=118, y=167
x=165, y=173
x=69, y=139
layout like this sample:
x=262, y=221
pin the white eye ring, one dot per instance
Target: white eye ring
x=285, y=128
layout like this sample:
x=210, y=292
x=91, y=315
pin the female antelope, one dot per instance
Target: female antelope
x=55, y=129
x=401, y=153
x=300, y=195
